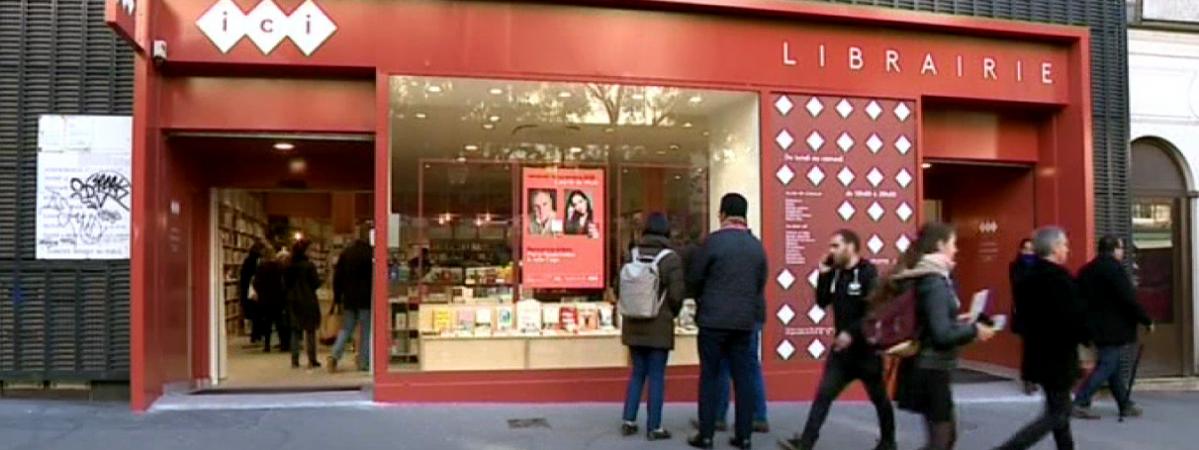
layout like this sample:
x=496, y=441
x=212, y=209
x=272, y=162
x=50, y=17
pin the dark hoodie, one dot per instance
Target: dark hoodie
x=846, y=290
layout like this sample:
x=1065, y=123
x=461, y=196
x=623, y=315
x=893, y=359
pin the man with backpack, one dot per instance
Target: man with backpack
x=845, y=282
x=728, y=276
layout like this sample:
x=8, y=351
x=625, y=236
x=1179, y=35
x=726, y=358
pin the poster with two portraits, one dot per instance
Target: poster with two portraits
x=563, y=212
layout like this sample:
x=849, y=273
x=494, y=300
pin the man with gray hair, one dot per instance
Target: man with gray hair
x=1053, y=326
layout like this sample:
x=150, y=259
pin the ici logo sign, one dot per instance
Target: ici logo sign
x=225, y=24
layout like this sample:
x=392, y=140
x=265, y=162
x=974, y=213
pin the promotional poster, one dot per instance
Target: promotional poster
x=563, y=228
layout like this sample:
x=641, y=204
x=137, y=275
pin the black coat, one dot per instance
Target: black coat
x=846, y=290
x=659, y=331
x=302, y=280
x=268, y=282
x=728, y=277
x=352, y=276
x=1015, y=272
x=249, y=266
x=1054, y=325
x=1112, y=306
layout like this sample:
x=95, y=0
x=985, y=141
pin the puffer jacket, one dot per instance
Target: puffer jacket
x=658, y=332
x=942, y=335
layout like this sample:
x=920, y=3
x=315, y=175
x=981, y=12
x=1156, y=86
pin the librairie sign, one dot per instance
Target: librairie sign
x=927, y=63
x=266, y=25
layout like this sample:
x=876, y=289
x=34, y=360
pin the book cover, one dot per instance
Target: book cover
x=568, y=319
x=528, y=315
x=505, y=318
x=551, y=317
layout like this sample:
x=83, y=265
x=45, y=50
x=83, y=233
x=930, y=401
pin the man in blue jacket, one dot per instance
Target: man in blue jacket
x=728, y=278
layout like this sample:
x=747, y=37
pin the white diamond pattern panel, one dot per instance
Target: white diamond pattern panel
x=844, y=108
x=875, y=177
x=785, y=279
x=272, y=26
x=904, y=212
x=845, y=142
x=845, y=176
x=816, y=348
x=903, y=145
x=876, y=211
x=785, y=175
x=875, y=244
x=815, y=176
x=874, y=110
x=816, y=314
x=784, y=140
x=903, y=243
x=814, y=278
x=903, y=178
x=846, y=211
x=902, y=112
x=874, y=143
x=785, y=314
x=814, y=107
x=783, y=105
x=815, y=141
x=223, y=24
x=785, y=350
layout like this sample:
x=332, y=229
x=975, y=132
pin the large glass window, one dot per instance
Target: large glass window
x=514, y=204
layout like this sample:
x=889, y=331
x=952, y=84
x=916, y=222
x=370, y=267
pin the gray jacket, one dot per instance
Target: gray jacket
x=941, y=335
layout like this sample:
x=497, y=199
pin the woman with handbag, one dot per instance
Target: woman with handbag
x=303, y=307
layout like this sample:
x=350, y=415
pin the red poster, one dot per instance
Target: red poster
x=563, y=245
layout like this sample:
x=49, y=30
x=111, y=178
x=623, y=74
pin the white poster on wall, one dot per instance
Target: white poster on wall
x=84, y=194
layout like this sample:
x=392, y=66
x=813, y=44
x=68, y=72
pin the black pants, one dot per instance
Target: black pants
x=309, y=337
x=275, y=317
x=733, y=346
x=841, y=369
x=1056, y=419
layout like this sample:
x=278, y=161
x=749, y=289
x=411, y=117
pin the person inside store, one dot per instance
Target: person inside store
x=272, y=300
x=580, y=217
x=304, y=310
x=923, y=384
x=845, y=282
x=1016, y=271
x=352, y=277
x=543, y=213
x=728, y=277
x=249, y=306
x=651, y=340
x=420, y=264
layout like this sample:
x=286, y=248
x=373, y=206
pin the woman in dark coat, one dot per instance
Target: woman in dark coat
x=272, y=299
x=303, y=307
x=249, y=308
x=651, y=340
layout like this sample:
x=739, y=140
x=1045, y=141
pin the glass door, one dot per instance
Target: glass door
x=1156, y=239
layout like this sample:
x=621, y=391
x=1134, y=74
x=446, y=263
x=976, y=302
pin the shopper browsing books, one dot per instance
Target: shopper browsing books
x=650, y=335
x=303, y=307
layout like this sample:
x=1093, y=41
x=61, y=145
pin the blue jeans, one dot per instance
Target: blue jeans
x=1107, y=370
x=350, y=318
x=717, y=347
x=759, y=384
x=647, y=363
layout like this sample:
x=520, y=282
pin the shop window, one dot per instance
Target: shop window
x=514, y=203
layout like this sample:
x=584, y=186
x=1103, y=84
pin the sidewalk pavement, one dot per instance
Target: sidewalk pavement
x=1169, y=423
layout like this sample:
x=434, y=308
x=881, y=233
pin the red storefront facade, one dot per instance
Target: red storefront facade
x=1004, y=105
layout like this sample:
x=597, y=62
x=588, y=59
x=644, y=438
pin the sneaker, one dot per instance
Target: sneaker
x=721, y=426
x=743, y=444
x=700, y=442
x=761, y=426
x=1084, y=413
x=331, y=364
x=1132, y=411
x=628, y=429
x=658, y=435
x=794, y=444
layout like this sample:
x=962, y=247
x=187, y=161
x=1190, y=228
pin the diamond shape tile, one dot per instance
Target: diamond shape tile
x=785, y=174
x=785, y=279
x=784, y=140
x=903, y=145
x=814, y=277
x=876, y=211
x=875, y=244
x=815, y=175
x=814, y=107
x=846, y=211
x=310, y=27
x=902, y=112
x=875, y=143
x=903, y=243
x=846, y=176
x=816, y=348
x=875, y=177
x=904, y=178
x=223, y=24
x=783, y=105
x=844, y=108
x=874, y=110
x=271, y=29
x=785, y=350
x=816, y=314
x=785, y=314
x=845, y=142
x=815, y=141
x=904, y=212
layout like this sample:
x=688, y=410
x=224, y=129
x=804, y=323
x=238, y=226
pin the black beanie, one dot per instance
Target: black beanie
x=734, y=205
x=657, y=224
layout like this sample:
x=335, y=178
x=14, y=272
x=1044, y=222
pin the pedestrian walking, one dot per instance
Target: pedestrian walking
x=650, y=339
x=245, y=280
x=1054, y=326
x=352, y=276
x=303, y=308
x=845, y=281
x=1016, y=271
x=729, y=280
x=272, y=299
x=924, y=379
x=1113, y=313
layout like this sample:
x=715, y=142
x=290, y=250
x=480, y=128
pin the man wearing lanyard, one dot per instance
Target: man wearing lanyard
x=845, y=282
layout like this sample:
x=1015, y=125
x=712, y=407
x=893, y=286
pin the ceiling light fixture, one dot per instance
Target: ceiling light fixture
x=695, y=99
x=434, y=89
x=284, y=146
x=564, y=94
x=496, y=91
x=471, y=147
x=638, y=96
x=494, y=119
x=488, y=126
x=926, y=165
x=421, y=115
x=687, y=125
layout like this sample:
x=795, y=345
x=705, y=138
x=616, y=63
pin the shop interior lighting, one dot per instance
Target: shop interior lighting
x=471, y=147
x=488, y=126
x=695, y=99
x=686, y=124
x=926, y=165
x=420, y=115
x=284, y=146
x=494, y=119
x=638, y=96
x=298, y=236
x=434, y=89
x=496, y=91
x=564, y=94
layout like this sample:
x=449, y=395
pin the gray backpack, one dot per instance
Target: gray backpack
x=641, y=295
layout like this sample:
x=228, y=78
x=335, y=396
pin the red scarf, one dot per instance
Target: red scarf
x=734, y=223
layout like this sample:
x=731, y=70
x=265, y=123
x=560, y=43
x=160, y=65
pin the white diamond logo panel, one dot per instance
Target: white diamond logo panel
x=783, y=105
x=875, y=244
x=816, y=348
x=814, y=278
x=846, y=176
x=875, y=177
x=815, y=175
x=876, y=211
x=904, y=178
x=310, y=27
x=904, y=212
x=268, y=26
x=902, y=112
x=784, y=140
x=785, y=174
x=785, y=350
x=814, y=107
x=874, y=110
x=844, y=108
x=874, y=143
x=785, y=279
x=785, y=314
x=816, y=314
x=903, y=145
x=845, y=142
x=903, y=243
x=223, y=24
x=815, y=141
x=846, y=211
